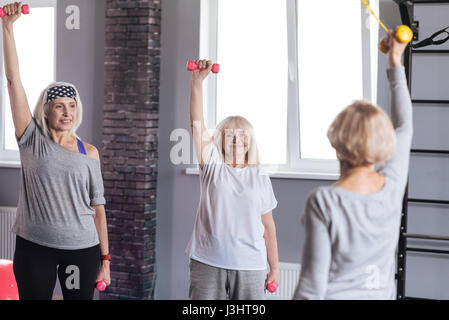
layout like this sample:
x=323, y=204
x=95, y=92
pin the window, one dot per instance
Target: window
x=253, y=82
x=35, y=39
x=289, y=67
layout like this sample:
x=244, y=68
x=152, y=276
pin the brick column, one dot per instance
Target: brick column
x=129, y=154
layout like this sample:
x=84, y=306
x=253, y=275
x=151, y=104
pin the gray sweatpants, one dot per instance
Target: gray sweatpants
x=212, y=283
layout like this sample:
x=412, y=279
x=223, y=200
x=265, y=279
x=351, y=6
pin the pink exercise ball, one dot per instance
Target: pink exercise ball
x=8, y=285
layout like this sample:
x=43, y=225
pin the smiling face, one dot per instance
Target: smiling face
x=235, y=145
x=234, y=137
x=62, y=114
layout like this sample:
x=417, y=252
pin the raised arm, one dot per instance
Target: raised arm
x=401, y=114
x=201, y=138
x=21, y=113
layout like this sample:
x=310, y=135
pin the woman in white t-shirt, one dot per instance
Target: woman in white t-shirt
x=234, y=234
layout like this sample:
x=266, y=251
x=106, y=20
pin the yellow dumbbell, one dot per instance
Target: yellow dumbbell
x=403, y=34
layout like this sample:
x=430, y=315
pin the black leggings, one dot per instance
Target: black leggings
x=36, y=266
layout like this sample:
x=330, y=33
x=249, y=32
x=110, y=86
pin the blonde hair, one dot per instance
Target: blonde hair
x=42, y=108
x=362, y=134
x=237, y=122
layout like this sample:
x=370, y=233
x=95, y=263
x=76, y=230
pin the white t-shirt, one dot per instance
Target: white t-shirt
x=228, y=231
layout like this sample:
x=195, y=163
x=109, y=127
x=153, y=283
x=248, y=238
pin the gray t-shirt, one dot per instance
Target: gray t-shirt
x=351, y=239
x=58, y=188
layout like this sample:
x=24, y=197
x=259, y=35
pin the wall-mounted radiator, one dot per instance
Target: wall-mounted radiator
x=288, y=279
x=7, y=238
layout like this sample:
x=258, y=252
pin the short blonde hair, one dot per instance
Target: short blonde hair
x=238, y=122
x=362, y=134
x=42, y=107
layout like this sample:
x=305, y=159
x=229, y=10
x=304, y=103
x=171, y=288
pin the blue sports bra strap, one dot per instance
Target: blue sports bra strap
x=81, y=146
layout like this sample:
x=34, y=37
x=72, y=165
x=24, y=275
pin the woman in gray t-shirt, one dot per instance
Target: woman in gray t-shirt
x=352, y=227
x=61, y=221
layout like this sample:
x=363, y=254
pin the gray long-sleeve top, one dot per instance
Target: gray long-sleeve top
x=351, y=238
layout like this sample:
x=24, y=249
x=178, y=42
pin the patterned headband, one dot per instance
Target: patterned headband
x=61, y=92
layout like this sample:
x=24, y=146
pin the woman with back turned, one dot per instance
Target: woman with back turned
x=352, y=227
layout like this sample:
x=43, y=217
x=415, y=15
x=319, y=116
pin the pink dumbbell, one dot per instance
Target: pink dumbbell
x=25, y=10
x=271, y=287
x=191, y=65
x=101, y=285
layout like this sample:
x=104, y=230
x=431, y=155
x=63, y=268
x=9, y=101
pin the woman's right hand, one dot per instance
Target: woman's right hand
x=13, y=12
x=204, y=68
x=396, y=51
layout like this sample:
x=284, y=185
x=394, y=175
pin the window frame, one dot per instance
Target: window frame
x=369, y=47
x=296, y=166
x=11, y=158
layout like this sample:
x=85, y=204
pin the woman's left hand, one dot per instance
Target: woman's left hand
x=105, y=273
x=273, y=276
